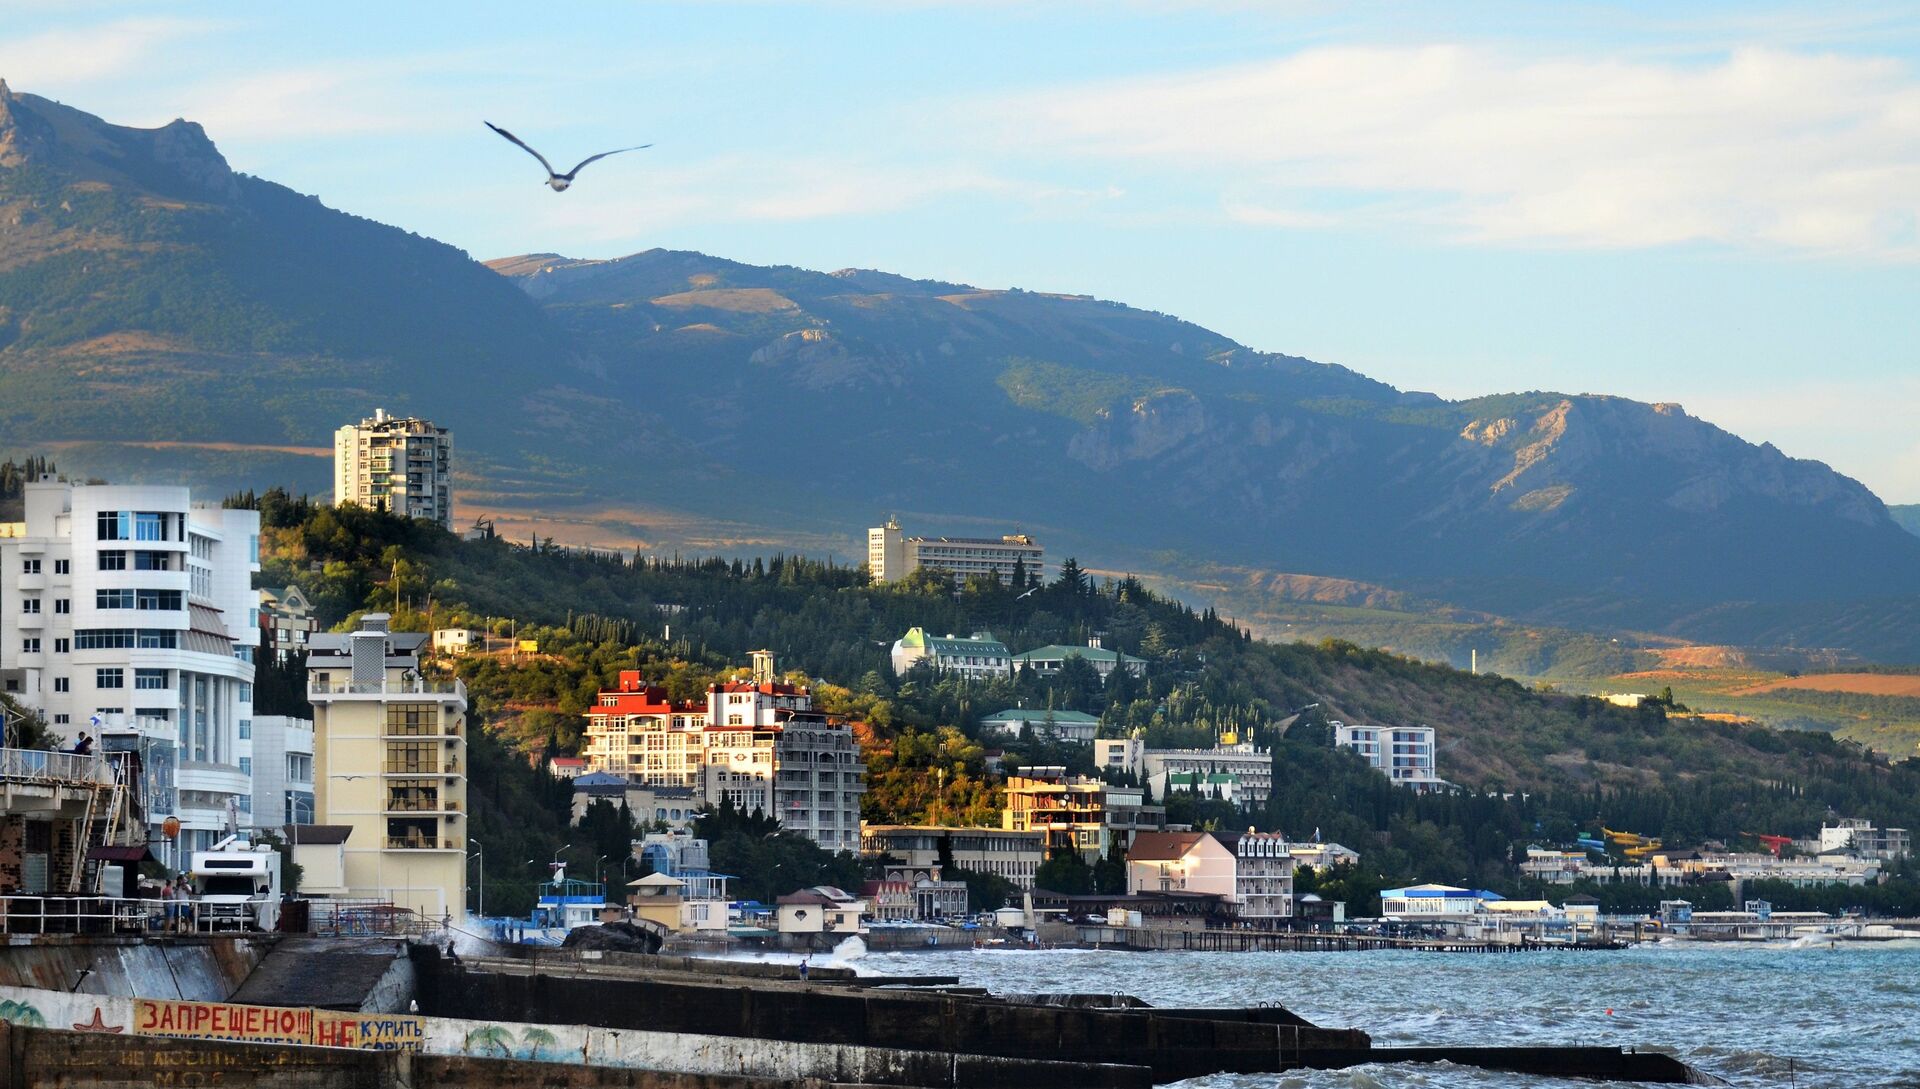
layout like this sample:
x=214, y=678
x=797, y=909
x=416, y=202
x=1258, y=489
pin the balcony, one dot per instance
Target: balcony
x=54, y=768
x=420, y=844
x=379, y=689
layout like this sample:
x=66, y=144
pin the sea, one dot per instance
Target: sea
x=1844, y=1016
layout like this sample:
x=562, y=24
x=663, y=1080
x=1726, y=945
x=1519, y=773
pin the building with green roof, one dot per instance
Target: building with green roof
x=976, y=656
x=1048, y=660
x=1022, y=721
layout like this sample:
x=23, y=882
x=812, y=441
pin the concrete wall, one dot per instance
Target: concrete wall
x=554, y=1046
x=203, y=969
x=33, y=1058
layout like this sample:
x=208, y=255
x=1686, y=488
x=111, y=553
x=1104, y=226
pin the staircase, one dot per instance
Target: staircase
x=99, y=826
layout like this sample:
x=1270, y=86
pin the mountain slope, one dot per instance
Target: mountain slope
x=1099, y=423
x=161, y=315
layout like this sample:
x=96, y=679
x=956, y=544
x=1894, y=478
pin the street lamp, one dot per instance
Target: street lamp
x=480, y=853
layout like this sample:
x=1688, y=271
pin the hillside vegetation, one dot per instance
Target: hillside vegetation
x=1538, y=766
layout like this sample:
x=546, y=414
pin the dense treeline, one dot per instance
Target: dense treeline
x=1538, y=767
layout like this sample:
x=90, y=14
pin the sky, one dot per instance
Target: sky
x=1716, y=204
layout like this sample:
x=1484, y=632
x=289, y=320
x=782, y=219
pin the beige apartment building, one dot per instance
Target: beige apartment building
x=891, y=555
x=402, y=465
x=390, y=759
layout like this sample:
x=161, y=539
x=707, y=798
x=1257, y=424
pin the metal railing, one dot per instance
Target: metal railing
x=416, y=687
x=115, y=915
x=40, y=766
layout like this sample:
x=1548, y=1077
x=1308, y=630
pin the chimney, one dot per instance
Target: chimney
x=375, y=621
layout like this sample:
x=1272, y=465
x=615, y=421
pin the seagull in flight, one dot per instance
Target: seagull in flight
x=559, y=182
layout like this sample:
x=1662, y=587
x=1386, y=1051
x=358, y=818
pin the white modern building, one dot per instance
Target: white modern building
x=1862, y=839
x=128, y=612
x=1404, y=754
x=1012, y=557
x=402, y=465
x=1164, y=770
x=279, y=756
x=979, y=655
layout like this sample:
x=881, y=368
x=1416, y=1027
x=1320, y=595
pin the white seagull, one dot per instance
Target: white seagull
x=557, y=181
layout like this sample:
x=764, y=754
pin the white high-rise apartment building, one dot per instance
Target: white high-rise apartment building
x=128, y=612
x=400, y=465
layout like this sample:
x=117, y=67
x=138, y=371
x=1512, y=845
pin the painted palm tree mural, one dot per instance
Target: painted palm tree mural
x=488, y=1038
x=540, y=1045
x=21, y=1013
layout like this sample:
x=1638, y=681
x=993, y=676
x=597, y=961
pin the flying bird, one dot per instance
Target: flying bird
x=558, y=181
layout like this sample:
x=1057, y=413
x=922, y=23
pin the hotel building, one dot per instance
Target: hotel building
x=891, y=556
x=128, y=612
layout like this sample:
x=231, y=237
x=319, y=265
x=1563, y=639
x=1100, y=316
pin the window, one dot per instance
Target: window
x=246, y=729
x=103, y=638
x=149, y=526
x=62, y=719
x=253, y=548
x=62, y=645
x=62, y=567
x=158, y=639
x=30, y=567
x=30, y=606
x=158, y=600
x=246, y=765
x=109, y=678
x=162, y=713
x=62, y=606
x=30, y=646
x=60, y=684
x=152, y=679
x=246, y=692
x=113, y=599
x=152, y=561
x=113, y=561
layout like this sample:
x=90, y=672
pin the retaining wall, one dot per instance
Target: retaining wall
x=197, y=968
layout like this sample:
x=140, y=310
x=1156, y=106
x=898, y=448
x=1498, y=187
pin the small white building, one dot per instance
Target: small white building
x=821, y=909
x=1181, y=862
x=458, y=640
x=1437, y=902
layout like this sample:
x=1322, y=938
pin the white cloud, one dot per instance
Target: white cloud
x=1810, y=153
x=55, y=58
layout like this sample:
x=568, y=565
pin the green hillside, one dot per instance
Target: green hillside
x=1551, y=764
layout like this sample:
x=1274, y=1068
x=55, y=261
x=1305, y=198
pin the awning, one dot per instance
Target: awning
x=132, y=854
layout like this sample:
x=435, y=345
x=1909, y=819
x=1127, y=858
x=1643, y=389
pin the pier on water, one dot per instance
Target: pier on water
x=1268, y=941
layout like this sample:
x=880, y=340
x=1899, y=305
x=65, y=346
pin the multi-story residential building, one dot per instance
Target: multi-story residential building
x=758, y=744
x=1048, y=660
x=287, y=623
x=1015, y=856
x=1077, y=812
x=1263, y=877
x=400, y=465
x=128, y=612
x=390, y=762
x=1863, y=840
x=1180, y=862
x=980, y=655
x=1013, y=558
x=280, y=759
x=1404, y=754
x=1021, y=721
x=1191, y=769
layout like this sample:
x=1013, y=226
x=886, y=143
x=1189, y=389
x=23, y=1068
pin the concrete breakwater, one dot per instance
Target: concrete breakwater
x=1173, y=1044
x=41, y=1058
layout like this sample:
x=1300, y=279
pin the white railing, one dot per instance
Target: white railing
x=40, y=766
x=116, y=915
x=387, y=688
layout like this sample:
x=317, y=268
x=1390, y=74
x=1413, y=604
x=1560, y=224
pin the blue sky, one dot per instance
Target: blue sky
x=1715, y=204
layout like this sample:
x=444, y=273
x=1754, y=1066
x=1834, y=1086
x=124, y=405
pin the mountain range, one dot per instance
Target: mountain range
x=162, y=315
